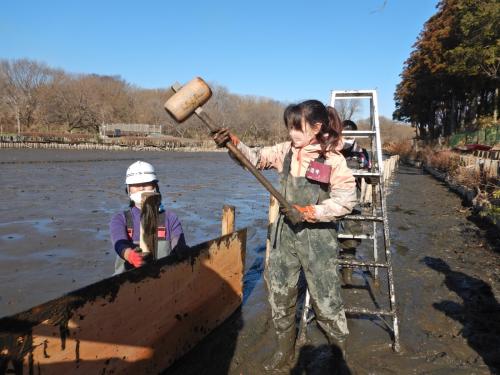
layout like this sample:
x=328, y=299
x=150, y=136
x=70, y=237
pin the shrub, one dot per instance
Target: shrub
x=466, y=175
x=403, y=148
x=447, y=161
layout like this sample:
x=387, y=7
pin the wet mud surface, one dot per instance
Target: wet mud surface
x=55, y=207
x=448, y=292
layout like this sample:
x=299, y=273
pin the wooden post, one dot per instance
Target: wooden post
x=494, y=168
x=385, y=174
x=487, y=167
x=273, y=215
x=477, y=166
x=228, y=219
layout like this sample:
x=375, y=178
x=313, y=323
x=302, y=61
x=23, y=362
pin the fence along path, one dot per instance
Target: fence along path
x=390, y=166
x=481, y=165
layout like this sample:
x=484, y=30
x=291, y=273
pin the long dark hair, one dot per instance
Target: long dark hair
x=313, y=111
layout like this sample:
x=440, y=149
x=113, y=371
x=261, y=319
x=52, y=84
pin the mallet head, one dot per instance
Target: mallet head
x=187, y=99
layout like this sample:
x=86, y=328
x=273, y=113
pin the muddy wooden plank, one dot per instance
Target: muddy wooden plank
x=137, y=322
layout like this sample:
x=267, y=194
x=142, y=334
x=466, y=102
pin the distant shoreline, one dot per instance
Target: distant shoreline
x=105, y=147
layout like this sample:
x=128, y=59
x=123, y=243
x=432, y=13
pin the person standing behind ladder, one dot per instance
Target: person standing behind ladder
x=305, y=237
x=357, y=158
x=125, y=226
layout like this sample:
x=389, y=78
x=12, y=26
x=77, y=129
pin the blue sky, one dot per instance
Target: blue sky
x=285, y=50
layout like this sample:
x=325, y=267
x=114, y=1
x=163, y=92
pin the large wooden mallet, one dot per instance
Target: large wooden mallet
x=188, y=99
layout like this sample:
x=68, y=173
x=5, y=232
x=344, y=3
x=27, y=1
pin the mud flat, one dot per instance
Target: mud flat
x=55, y=206
x=54, y=238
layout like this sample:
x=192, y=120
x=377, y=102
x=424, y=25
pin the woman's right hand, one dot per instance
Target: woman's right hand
x=135, y=258
x=223, y=135
x=293, y=215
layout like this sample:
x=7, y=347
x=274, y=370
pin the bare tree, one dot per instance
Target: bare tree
x=347, y=108
x=35, y=94
x=148, y=106
x=69, y=101
x=22, y=80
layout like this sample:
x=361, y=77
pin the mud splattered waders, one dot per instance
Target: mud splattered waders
x=312, y=247
x=163, y=247
x=378, y=216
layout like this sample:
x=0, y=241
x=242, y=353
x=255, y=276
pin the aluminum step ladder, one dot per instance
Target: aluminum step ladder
x=377, y=217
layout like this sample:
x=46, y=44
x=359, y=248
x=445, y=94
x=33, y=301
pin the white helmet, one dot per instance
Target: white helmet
x=140, y=172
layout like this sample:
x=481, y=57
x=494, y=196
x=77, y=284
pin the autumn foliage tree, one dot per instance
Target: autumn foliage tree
x=450, y=81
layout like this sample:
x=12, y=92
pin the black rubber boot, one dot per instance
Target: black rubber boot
x=284, y=352
x=339, y=347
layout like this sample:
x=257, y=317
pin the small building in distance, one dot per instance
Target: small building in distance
x=132, y=130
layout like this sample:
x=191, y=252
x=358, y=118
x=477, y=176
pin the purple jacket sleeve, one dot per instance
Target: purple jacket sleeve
x=118, y=231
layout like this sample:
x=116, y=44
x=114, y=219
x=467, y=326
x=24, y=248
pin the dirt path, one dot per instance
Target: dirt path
x=448, y=288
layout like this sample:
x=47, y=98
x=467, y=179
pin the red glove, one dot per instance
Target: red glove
x=308, y=213
x=135, y=258
x=234, y=139
x=222, y=136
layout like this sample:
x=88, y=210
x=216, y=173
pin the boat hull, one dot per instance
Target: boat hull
x=137, y=322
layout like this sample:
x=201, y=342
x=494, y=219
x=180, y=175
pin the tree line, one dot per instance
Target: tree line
x=37, y=98
x=450, y=81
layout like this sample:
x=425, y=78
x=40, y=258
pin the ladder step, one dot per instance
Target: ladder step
x=355, y=236
x=360, y=310
x=359, y=133
x=357, y=173
x=352, y=94
x=363, y=218
x=358, y=263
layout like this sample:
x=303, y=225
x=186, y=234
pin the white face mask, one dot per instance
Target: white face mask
x=348, y=143
x=137, y=197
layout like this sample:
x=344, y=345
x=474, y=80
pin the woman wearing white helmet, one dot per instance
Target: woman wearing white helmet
x=125, y=226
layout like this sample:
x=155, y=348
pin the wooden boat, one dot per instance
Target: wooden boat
x=138, y=322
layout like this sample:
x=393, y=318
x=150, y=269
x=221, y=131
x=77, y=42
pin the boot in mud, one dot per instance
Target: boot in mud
x=339, y=348
x=347, y=275
x=338, y=359
x=284, y=353
x=348, y=253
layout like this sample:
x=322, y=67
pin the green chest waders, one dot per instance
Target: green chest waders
x=312, y=247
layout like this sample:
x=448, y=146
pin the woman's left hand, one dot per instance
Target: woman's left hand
x=308, y=213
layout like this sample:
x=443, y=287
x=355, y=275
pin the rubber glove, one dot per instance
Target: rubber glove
x=134, y=257
x=308, y=213
x=222, y=136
